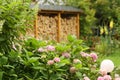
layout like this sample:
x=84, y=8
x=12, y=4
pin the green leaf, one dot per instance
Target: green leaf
x=13, y=75
x=79, y=75
x=1, y=54
x=1, y=75
x=33, y=59
x=3, y=60
x=78, y=66
x=2, y=39
x=9, y=66
x=38, y=68
x=13, y=55
x=71, y=38
x=58, y=65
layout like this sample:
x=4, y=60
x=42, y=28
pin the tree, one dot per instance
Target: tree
x=97, y=13
x=14, y=16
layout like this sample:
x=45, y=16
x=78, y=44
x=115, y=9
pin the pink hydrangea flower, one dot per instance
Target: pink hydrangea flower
x=94, y=56
x=107, y=77
x=86, y=78
x=66, y=55
x=50, y=62
x=50, y=48
x=72, y=69
x=100, y=78
x=83, y=54
x=56, y=59
x=103, y=72
x=76, y=61
x=117, y=78
x=40, y=50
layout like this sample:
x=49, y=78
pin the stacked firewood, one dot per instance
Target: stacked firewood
x=68, y=27
x=47, y=27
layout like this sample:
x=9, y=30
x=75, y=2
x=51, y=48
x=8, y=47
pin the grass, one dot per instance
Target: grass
x=115, y=57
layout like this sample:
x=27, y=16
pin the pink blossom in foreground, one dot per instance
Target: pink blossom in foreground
x=66, y=55
x=117, y=78
x=94, y=56
x=107, y=77
x=76, y=61
x=86, y=78
x=56, y=59
x=50, y=48
x=50, y=62
x=83, y=54
x=40, y=50
x=103, y=72
x=100, y=78
x=72, y=69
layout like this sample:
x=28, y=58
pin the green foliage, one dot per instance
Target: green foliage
x=14, y=17
x=97, y=13
x=33, y=61
x=87, y=19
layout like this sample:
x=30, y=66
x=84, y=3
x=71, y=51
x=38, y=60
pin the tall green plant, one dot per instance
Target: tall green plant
x=14, y=17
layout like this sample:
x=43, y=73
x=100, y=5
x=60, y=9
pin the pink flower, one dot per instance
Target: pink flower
x=94, y=56
x=72, y=69
x=66, y=55
x=86, y=78
x=56, y=59
x=76, y=61
x=103, y=72
x=83, y=54
x=117, y=78
x=100, y=78
x=50, y=48
x=107, y=77
x=50, y=62
x=40, y=50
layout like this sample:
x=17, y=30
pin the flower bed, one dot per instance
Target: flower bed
x=47, y=60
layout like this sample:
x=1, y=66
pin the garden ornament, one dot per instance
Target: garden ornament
x=107, y=66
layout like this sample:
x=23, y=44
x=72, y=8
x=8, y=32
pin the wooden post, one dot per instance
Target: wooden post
x=35, y=27
x=59, y=27
x=78, y=25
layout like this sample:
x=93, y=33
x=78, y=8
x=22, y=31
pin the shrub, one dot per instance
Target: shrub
x=47, y=60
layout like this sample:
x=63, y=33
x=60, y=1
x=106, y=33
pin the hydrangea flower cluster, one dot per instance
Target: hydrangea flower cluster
x=51, y=62
x=92, y=55
x=47, y=48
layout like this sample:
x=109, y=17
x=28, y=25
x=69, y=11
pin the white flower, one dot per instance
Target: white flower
x=107, y=65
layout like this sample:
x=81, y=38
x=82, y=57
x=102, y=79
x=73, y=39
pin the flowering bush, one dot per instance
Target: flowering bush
x=60, y=61
x=47, y=60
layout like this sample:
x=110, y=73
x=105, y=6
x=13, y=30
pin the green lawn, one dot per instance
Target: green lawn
x=115, y=57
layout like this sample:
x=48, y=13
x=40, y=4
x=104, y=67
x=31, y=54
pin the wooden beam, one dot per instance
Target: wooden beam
x=78, y=25
x=35, y=27
x=55, y=12
x=59, y=27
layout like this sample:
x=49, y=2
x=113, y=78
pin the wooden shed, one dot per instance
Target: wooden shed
x=55, y=22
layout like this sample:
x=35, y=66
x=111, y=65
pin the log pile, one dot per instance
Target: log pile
x=29, y=32
x=47, y=26
x=68, y=26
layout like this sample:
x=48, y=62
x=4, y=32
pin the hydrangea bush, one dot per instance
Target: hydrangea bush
x=48, y=60
x=61, y=61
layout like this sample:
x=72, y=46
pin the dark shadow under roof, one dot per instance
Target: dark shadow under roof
x=59, y=8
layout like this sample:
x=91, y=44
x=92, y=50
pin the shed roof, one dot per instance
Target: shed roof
x=59, y=8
